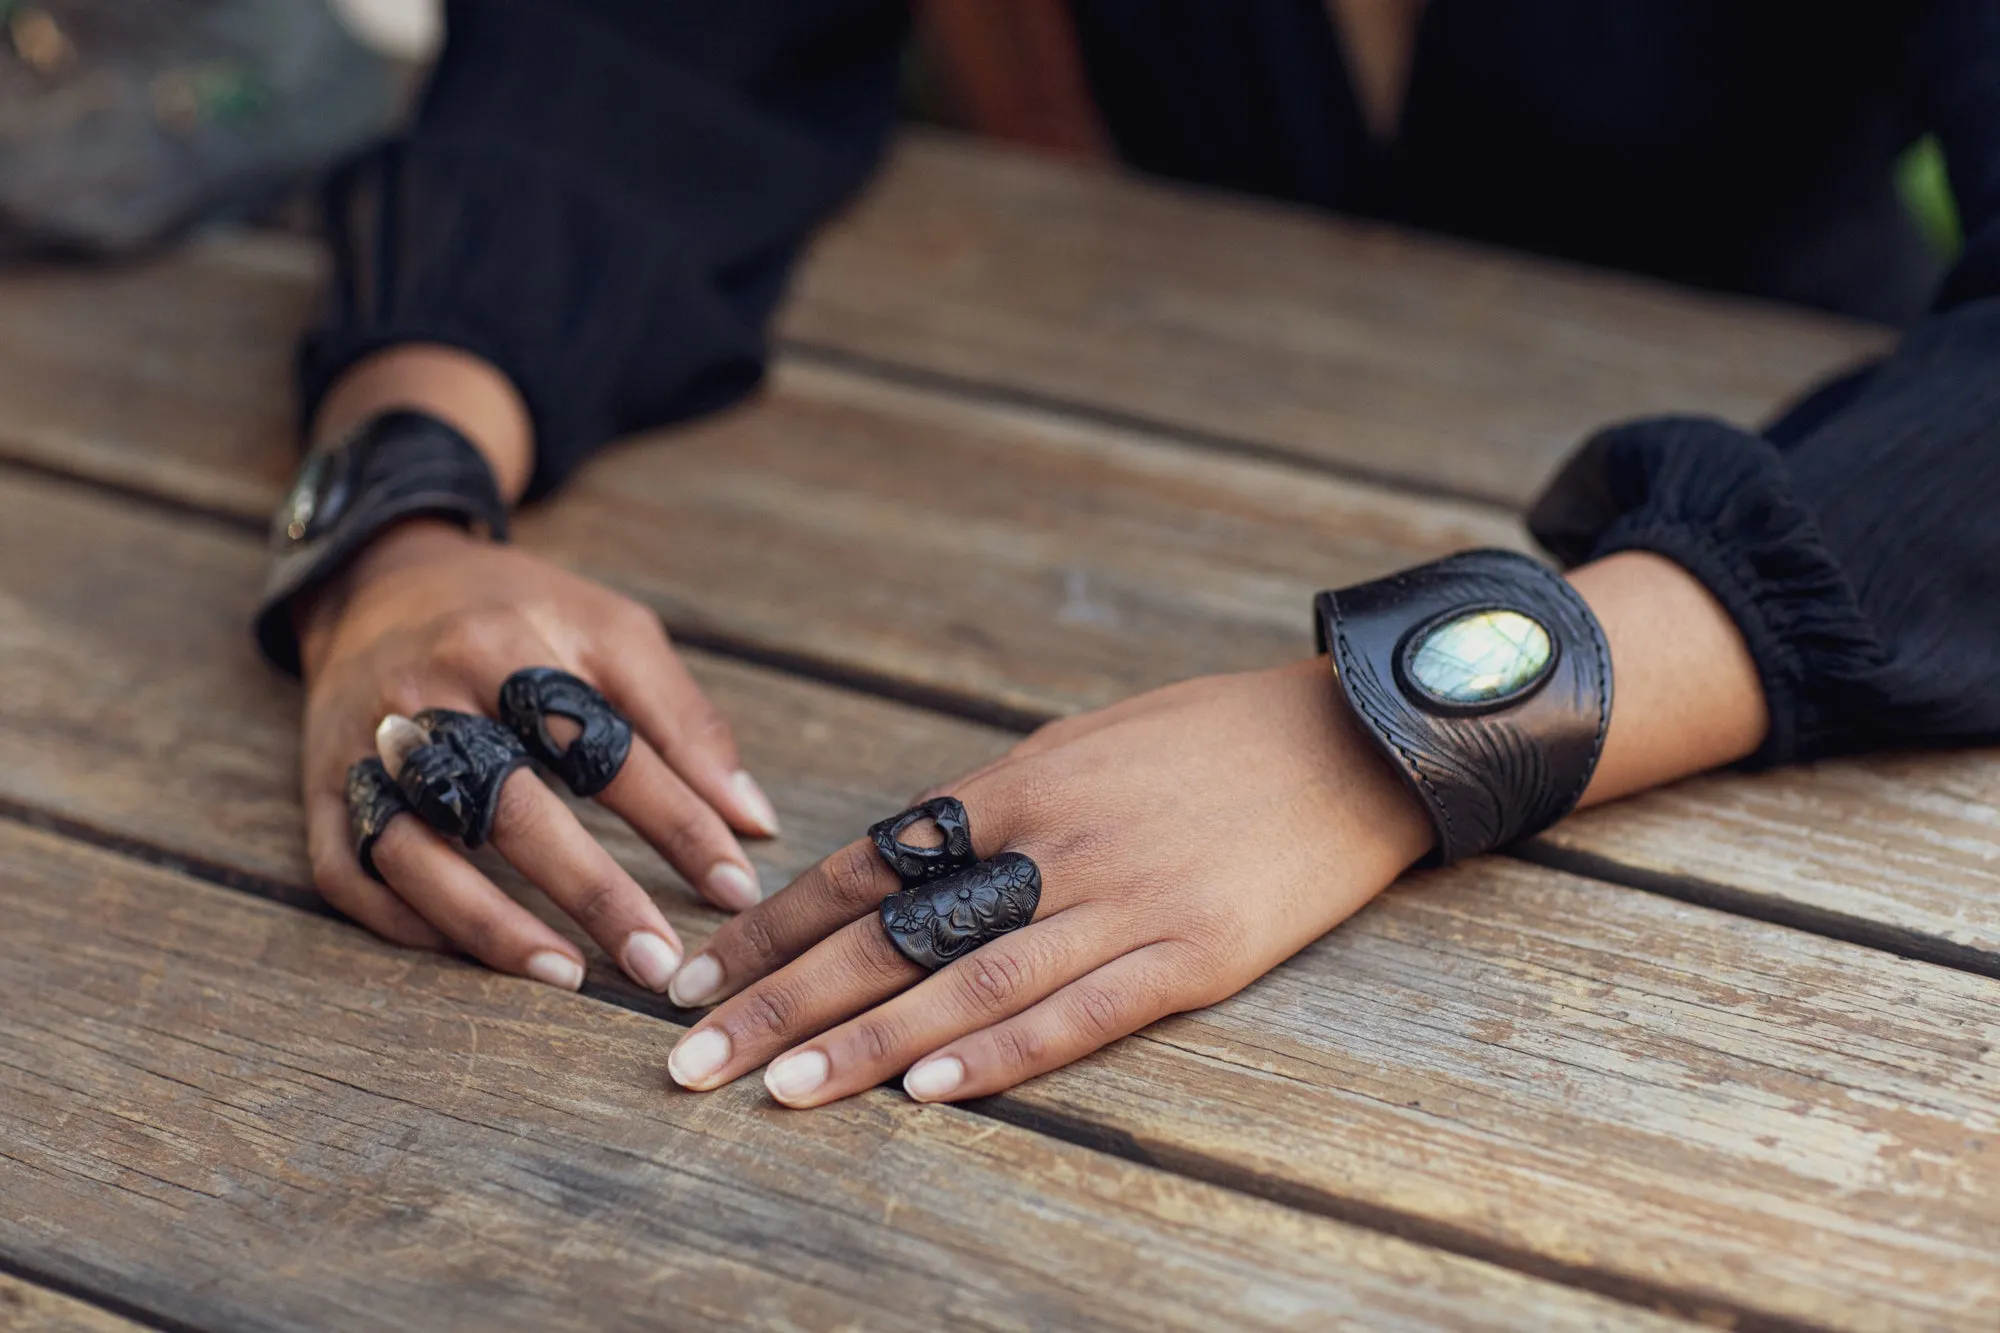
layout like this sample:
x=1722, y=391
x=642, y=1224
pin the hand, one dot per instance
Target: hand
x=1189, y=839
x=429, y=617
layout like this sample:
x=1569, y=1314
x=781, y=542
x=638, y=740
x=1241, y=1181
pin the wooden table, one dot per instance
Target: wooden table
x=1722, y=1055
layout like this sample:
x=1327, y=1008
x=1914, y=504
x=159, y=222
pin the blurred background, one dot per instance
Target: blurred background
x=126, y=123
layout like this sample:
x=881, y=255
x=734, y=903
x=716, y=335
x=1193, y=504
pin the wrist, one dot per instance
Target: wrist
x=1358, y=785
x=317, y=614
x=468, y=394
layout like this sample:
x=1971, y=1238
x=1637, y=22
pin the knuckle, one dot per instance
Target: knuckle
x=875, y=1041
x=1019, y=1046
x=992, y=979
x=769, y=1011
x=519, y=811
x=850, y=878
x=471, y=640
x=756, y=943
x=1097, y=1012
x=683, y=832
x=597, y=901
x=480, y=935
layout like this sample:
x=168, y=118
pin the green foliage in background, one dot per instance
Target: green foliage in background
x=1920, y=177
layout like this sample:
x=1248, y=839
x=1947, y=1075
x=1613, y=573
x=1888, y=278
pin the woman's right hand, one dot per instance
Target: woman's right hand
x=432, y=617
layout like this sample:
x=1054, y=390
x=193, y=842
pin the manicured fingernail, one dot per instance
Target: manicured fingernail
x=733, y=886
x=696, y=983
x=934, y=1078
x=755, y=803
x=555, y=969
x=395, y=737
x=796, y=1076
x=650, y=959
x=694, y=1062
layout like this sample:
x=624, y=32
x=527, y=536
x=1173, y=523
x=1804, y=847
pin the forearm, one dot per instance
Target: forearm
x=1686, y=695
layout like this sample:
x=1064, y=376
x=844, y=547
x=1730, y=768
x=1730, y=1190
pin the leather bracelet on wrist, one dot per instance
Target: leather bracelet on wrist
x=1486, y=681
x=395, y=466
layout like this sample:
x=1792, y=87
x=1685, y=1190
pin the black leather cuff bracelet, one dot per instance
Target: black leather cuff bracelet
x=395, y=466
x=1486, y=681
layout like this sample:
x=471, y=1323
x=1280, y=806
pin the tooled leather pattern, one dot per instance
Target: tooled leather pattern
x=1489, y=779
x=935, y=922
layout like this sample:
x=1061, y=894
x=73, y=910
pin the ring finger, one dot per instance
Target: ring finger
x=541, y=837
x=854, y=969
x=469, y=909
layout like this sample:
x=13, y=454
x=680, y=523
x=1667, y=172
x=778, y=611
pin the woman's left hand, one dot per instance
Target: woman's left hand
x=1189, y=840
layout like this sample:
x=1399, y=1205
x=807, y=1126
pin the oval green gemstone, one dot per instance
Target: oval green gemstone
x=1481, y=657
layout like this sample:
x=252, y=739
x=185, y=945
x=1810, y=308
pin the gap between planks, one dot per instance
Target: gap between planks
x=972, y=707
x=1248, y=1178
x=1652, y=1298
x=35, y=1302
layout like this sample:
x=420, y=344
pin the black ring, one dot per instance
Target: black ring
x=931, y=924
x=373, y=799
x=454, y=782
x=587, y=764
x=921, y=865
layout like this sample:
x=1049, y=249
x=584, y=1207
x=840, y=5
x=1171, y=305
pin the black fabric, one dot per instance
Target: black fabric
x=603, y=199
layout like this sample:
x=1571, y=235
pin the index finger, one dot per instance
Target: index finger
x=841, y=889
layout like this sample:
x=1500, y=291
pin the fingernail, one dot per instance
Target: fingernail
x=696, y=983
x=733, y=886
x=796, y=1076
x=755, y=803
x=651, y=959
x=395, y=737
x=700, y=1054
x=555, y=969
x=934, y=1078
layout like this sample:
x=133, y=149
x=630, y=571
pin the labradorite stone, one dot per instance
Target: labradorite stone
x=1481, y=657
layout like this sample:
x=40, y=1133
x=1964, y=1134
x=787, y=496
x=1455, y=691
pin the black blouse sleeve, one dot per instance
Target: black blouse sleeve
x=603, y=198
x=1857, y=542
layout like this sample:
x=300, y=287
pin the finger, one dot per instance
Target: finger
x=846, y=886
x=683, y=828
x=1114, y=1001
x=994, y=982
x=849, y=884
x=855, y=968
x=344, y=884
x=540, y=837
x=469, y=909
x=650, y=684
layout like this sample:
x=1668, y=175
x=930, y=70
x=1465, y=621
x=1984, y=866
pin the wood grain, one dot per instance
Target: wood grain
x=238, y=1115
x=1636, y=1095
x=1349, y=344
x=1097, y=562
x=1902, y=851
x=26, y=1308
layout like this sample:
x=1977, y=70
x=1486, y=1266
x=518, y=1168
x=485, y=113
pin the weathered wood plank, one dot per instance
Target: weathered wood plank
x=1646, y=1097
x=1098, y=562
x=173, y=377
x=238, y=1115
x=26, y=1308
x=1373, y=349
x=1900, y=850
